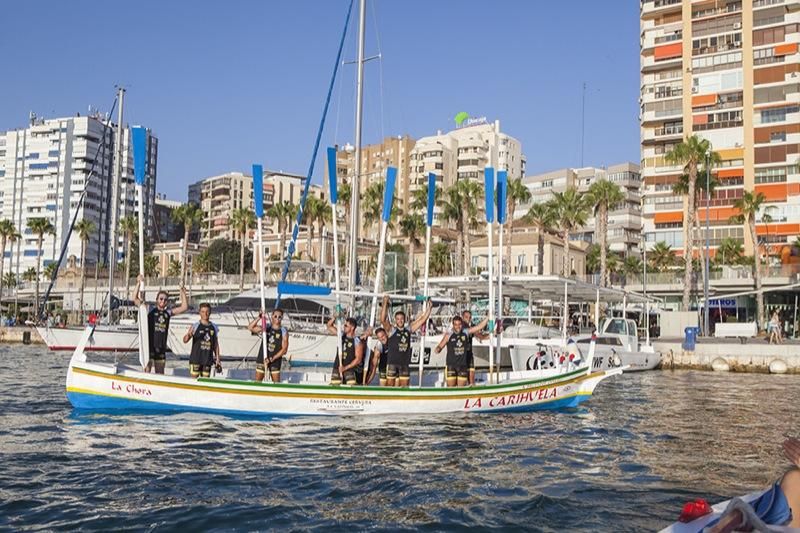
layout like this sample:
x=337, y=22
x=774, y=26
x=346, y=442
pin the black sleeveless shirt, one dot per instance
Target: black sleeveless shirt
x=399, y=347
x=457, y=349
x=274, y=343
x=348, y=350
x=158, y=329
x=204, y=342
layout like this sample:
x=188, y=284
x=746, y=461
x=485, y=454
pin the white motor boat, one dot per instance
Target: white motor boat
x=105, y=338
x=618, y=344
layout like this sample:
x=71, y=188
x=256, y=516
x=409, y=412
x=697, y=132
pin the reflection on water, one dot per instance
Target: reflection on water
x=628, y=458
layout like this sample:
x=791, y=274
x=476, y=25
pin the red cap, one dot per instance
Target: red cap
x=694, y=510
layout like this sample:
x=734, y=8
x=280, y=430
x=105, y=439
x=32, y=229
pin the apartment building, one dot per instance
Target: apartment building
x=727, y=71
x=165, y=228
x=624, y=219
x=44, y=169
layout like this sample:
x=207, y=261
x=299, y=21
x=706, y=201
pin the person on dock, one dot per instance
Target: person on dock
x=204, y=335
x=277, y=345
x=352, y=353
x=158, y=317
x=775, y=329
x=466, y=317
x=380, y=355
x=399, y=343
x=456, y=340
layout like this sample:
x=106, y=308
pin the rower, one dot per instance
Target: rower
x=466, y=318
x=456, y=340
x=158, y=317
x=352, y=352
x=277, y=345
x=399, y=343
x=204, y=335
x=380, y=354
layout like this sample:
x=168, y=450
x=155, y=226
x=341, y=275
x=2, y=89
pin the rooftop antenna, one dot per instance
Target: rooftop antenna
x=583, y=119
x=32, y=118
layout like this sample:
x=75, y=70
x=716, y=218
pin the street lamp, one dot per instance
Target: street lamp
x=708, y=245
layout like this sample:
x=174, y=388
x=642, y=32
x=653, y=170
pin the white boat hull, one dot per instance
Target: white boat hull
x=104, y=338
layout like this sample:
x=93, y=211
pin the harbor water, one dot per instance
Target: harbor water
x=625, y=460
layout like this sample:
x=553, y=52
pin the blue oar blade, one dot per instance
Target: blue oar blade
x=388, y=193
x=502, y=194
x=488, y=186
x=332, y=175
x=431, y=196
x=258, y=190
x=139, y=137
x=300, y=289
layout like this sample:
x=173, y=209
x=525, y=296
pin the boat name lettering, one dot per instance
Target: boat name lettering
x=130, y=388
x=517, y=398
x=340, y=401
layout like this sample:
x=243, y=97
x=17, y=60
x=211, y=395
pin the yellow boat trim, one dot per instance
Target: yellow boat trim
x=266, y=392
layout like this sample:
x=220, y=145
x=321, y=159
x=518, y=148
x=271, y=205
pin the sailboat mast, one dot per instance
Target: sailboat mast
x=112, y=221
x=354, y=196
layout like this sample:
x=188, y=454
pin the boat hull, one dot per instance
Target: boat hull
x=109, y=387
x=104, y=338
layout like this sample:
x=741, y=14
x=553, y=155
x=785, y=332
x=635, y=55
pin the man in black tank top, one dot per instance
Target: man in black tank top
x=379, y=360
x=456, y=340
x=277, y=345
x=466, y=318
x=204, y=335
x=352, y=353
x=399, y=343
x=158, y=318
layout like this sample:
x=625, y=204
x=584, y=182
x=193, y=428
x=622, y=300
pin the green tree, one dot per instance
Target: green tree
x=470, y=194
x=440, y=259
x=412, y=227
x=7, y=233
x=30, y=274
x=749, y=206
x=282, y=213
x=221, y=254
x=9, y=280
x=603, y=195
x=690, y=154
x=517, y=194
x=189, y=215
x=151, y=266
x=661, y=257
x=40, y=227
x=85, y=228
x=451, y=212
x=242, y=220
x=419, y=198
x=174, y=268
x=571, y=211
x=542, y=217
x=130, y=229
x=632, y=266
x=729, y=252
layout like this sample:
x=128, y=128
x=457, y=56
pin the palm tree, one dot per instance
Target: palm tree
x=174, y=269
x=85, y=229
x=40, y=227
x=749, y=205
x=50, y=270
x=419, y=198
x=189, y=215
x=150, y=266
x=322, y=215
x=440, y=259
x=9, y=280
x=661, y=257
x=603, y=195
x=310, y=210
x=729, y=252
x=542, y=217
x=130, y=228
x=570, y=212
x=470, y=193
x=690, y=154
x=451, y=212
x=242, y=220
x=517, y=194
x=632, y=266
x=372, y=205
x=281, y=212
x=412, y=226
x=30, y=274
x=7, y=232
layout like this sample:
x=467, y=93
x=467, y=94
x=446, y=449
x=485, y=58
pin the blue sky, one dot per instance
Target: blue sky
x=226, y=84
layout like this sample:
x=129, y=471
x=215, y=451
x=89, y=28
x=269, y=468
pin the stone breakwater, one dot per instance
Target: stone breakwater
x=733, y=356
x=10, y=335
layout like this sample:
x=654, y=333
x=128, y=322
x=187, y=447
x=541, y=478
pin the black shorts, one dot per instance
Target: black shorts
x=200, y=370
x=397, y=371
x=274, y=366
x=349, y=377
x=457, y=372
x=158, y=356
x=470, y=361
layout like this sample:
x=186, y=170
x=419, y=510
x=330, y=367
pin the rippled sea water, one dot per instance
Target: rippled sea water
x=626, y=460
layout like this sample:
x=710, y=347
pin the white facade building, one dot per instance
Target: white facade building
x=45, y=167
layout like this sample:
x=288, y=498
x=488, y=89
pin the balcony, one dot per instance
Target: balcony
x=668, y=131
x=657, y=7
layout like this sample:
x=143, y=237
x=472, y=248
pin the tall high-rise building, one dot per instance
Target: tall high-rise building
x=46, y=166
x=624, y=219
x=726, y=71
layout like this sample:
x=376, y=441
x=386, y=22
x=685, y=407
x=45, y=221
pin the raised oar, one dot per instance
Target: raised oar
x=502, y=193
x=489, y=187
x=258, y=201
x=388, y=198
x=334, y=195
x=139, y=137
x=428, y=225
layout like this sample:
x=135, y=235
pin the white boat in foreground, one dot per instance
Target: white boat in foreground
x=109, y=386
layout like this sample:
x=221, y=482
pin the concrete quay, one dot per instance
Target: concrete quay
x=730, y=355
x=13, y=335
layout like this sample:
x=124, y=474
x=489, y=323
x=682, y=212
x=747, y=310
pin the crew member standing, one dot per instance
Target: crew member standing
x=456, y=340
x=204, y=335
x=466, y=318
x=399, y=343
x=352, y=353
x=277, y=345
x=158, y=317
